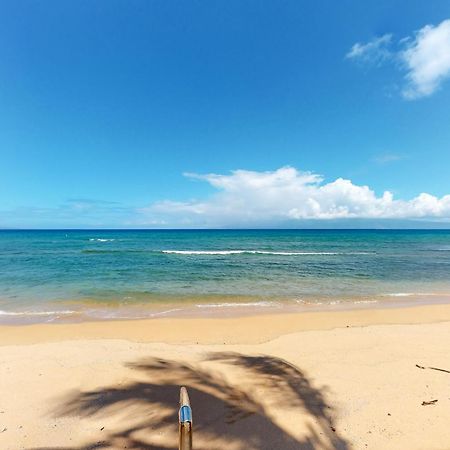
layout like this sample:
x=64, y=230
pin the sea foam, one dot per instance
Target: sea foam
x=411, y=294
x=235, y=305
x=35, y=313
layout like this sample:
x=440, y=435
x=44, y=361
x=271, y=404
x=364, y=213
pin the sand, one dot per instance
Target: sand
x=325, y=380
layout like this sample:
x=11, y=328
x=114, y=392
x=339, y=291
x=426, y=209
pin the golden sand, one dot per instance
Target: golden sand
x=322, y=380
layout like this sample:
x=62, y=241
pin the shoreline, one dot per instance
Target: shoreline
x=73, y=311
x=243, y=329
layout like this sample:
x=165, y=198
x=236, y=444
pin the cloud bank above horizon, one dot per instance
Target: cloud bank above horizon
x=285, y=197
x=249, y=198
x=423, y=57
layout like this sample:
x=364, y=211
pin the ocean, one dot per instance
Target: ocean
x=72, y=275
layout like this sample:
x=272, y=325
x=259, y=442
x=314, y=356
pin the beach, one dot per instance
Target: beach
x=352, y=379
x=244, y=204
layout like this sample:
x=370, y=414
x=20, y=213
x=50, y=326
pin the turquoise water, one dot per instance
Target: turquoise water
x=48, y=275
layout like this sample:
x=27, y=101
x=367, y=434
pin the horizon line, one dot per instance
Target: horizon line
x=225, y=229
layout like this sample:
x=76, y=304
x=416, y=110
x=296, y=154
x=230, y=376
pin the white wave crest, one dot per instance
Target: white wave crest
x=101, y=240
x=249, y=252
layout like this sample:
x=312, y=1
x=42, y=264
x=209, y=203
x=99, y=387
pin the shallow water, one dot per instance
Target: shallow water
x=48, y=275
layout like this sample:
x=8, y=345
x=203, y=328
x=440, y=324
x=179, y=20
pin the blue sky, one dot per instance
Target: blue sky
x=108, y=108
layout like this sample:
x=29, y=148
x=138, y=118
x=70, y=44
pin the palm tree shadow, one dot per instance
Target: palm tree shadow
x=226, y=415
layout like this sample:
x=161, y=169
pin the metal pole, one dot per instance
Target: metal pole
x=185, y=421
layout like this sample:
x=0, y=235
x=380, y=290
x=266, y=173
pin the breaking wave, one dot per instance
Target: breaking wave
x=254, y=252
x=101, y=240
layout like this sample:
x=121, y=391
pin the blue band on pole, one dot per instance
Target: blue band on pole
x=185, y=414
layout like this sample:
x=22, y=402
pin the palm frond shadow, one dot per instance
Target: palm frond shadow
x=226, y=415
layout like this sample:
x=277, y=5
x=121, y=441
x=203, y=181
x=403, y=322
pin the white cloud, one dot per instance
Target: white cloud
x=427, y=59
x=285, y=197
x=424, y=58
x=247, y=198
x=375, y=51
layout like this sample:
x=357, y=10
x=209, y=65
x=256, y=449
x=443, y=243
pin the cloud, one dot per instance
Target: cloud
x=427, y=58
x=387, y=158
x=287, y=195
x=424, y=58
x=375, y=51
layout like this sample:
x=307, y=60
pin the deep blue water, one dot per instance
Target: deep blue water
x=42, y=271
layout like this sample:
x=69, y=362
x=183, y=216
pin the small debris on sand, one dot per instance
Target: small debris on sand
x=433, y=368
x=431, y=402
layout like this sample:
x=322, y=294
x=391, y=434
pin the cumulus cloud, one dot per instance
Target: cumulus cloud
x=375, y=51
x=285, y=197
x=247, y=198
x=427, y=58
x=424, y=58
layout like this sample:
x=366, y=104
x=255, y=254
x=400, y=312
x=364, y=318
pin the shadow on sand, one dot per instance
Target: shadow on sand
x=233, y=415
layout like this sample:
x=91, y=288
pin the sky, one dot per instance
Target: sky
x=235, y=114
